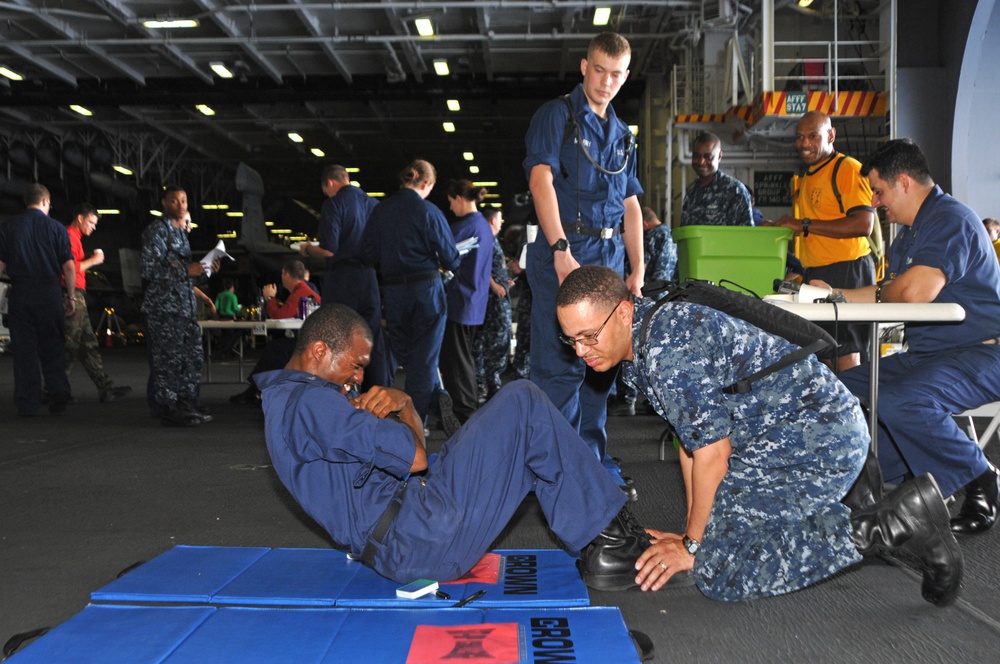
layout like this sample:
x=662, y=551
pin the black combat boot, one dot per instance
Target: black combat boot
x=913, y=521
x=608, y=563
x=981, y=505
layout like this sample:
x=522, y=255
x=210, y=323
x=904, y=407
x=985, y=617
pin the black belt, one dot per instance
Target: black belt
x=34, y=282
x=382, y=526
x=593, y=231
x=411, y=278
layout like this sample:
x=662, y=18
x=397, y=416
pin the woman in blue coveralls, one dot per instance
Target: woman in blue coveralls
x=467, y=294
x=409, y=239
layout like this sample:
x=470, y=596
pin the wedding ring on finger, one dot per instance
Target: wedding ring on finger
x=663, y=566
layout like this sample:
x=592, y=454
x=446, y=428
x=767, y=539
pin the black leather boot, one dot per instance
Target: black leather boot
x=174, y=416
x=913, y=521
x=981, y=505
x=608, y=563
x=867, y=489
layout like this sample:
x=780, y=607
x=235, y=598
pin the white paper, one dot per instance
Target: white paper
x=218, y=252
x=465, y=246
x=296, y=246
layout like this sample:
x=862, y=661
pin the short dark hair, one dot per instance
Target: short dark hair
x=171, y=188
x=611, y=44
x=335, y=172
x=333, y=324
x=227, y=284
x=295, y=268
x=35, y=194
x=85, y=210
x=491, y=214
x=649, y=215
x=898, y=156
x=595, y=284
x=706, y=138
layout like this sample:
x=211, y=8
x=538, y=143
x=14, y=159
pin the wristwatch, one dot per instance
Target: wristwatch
x=878, y=292
x=560, y=245
x=805, y=226
x=691, y=545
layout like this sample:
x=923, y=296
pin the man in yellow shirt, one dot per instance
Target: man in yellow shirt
x=834, y=216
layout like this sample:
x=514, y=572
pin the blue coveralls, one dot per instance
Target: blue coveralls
x=34, y=247
x=579, y=393
x=347, y=280
x=799, y=440
x=946, y=369
x=409, y=239
x=172, y=330
x=466, y=295
x=343, y=466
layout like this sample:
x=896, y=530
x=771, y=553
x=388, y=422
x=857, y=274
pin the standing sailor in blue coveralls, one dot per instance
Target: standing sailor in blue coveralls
x=776, y=500
x=408, y=237
x=346, y=279
x=581, y=171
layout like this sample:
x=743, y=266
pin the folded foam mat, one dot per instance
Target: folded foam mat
x=110, y=634
x=509, y=577
x=256, y=634
x=183, y=574
x=582, y=634
x=292, y=577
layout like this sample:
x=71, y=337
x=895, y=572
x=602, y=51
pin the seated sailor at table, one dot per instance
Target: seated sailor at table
x=941, y=254
x=776, y=500
x=277, y=352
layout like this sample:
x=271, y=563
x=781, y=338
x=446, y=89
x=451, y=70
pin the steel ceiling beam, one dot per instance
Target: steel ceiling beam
x=247, y=43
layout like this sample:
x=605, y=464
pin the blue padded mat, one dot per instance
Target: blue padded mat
x=324, y=577
x=591, y=634
x=109, y=634
x=527, y=577
x=292, y=577
x=295, y=636
x=185, y=574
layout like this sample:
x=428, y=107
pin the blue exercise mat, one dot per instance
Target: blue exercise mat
x=520, y=577
x=291, y=577
x=275, y=636
x=183, y=574
x=110, y=634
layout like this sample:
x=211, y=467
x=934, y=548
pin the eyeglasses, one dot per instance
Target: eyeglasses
x=587, y=339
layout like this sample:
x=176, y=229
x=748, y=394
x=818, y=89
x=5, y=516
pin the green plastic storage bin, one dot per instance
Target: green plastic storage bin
x=751, y=256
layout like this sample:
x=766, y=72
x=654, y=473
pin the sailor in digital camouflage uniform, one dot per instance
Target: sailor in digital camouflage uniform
x=765, y=471
x=492, y=345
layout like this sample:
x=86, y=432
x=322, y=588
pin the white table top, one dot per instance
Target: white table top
x=271, y=324
x=875, y=312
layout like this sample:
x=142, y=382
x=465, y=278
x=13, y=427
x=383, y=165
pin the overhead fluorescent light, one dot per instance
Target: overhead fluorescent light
x=448, y=126
x=156, y=213
x=353, y=169
x=485, y=183
x=473, y=169
x=355, y=183
x=281, y=231
x=295, y=138
x=214, y=206
x=193, y=225
x=104, y=212
x=805, y=3
x=205, y=109
x=11, y=74
x=234, y=213
x=602, y=15
x=453, y=105
x=269, y=223
x=441, y=67
x=220, y=70
x=170, y=23
x=317, y=152
x=424, y=27
x=122, y=169
x=81, y=110
x=228, y=235
x=491, y=195
x=468, y=156
x=377, y=194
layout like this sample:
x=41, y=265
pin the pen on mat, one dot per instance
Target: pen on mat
x=471, y=598
x=442, y=595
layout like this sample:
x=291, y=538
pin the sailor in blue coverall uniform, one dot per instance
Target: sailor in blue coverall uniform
x=941, y=254
x=581, y=208
x=765, y=470
x=35, y=251
x=408, y=237
x=344, y=459
x=346, y=279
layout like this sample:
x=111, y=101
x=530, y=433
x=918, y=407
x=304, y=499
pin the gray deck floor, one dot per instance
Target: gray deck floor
x=86, y=494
